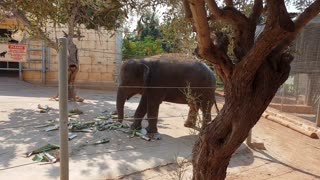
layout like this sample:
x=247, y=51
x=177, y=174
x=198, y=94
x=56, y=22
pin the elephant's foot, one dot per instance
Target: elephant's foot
x=189, y=124
x=154, y=136
x=152, y=133
x=151, y=130
x=191, y=121
x=136, y=126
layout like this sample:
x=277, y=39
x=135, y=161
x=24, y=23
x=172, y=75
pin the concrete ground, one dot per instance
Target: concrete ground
x=288, y=154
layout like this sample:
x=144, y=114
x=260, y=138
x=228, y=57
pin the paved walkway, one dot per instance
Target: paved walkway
x=288, y=154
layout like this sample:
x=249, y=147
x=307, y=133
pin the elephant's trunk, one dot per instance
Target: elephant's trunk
x=121, y=99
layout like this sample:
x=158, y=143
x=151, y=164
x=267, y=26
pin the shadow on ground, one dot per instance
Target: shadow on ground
x=267, y=157
x=123, y=155
x=19, y=135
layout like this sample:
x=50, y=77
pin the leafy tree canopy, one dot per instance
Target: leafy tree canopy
x=36, y=15
x=147, y=38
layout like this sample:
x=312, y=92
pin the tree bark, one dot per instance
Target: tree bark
x=73, y=56
x=250, y=84
x=220, y=139
x=73, y=68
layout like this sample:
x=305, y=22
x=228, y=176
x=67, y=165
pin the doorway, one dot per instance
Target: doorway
x=8, y=69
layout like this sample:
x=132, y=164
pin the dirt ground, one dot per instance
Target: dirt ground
x=287, y=155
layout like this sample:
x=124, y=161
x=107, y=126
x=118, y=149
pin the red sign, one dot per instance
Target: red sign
x=13, y=52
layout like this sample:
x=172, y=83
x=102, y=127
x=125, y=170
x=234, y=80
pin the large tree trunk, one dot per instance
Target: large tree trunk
x=221, y=138
x=262, y=65
x=73, y=68
x=73, y=57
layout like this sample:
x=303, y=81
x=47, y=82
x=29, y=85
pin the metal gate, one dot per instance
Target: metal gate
x=26, y=66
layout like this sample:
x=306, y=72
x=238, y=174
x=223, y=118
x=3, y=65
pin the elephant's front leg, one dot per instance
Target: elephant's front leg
x=140, y=113
x=152, y=115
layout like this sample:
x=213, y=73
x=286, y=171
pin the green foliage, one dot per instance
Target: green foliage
x=107, y=14
x=148, y=25
x=289, y=89
x=38, y=14
x=177, y=31
x=148, y=41
x=174, y=35
x=141, y=48
x=178, y=39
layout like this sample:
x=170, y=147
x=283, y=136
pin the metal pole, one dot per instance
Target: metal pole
x=44, y=63
x=63, y=109
x=20, y=71
x=318, y=113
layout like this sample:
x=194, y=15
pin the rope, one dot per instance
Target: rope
x=126, y=119
x=142, y=87
x=20, y=165
x=166, y=87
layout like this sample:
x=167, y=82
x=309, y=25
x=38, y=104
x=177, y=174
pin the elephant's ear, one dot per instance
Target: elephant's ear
x=146, y=71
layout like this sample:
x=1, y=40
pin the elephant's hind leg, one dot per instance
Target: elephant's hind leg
x=206, y=113
x=140, y=113
x=192, y=116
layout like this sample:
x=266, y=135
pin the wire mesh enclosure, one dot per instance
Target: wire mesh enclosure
x=300, y=94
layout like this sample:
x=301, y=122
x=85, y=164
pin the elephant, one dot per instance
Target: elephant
x=165, y=78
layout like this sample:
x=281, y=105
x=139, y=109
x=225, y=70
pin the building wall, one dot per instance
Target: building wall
x=32, y=72
x=99, y=59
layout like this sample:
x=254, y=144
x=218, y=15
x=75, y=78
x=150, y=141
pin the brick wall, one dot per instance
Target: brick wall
x=99, y=60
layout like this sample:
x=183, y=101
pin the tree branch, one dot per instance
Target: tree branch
x=229, y=3
x=277, y=35
x=256, y=11
x=203, y=33
x=268, y=40
x=73, y=59
x=308, y=14
x=228, y=14
x=187, y=10
x=40, y=33
x=275, y=39
x=206, y=49
x=22, y=18
x=243, y=28
x=278, y=15
x=244, y=33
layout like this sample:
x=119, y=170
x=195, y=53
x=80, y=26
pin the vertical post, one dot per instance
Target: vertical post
x=20, y=71
x=308, y=90
x=63, y=109
x=282, y=96
x=44, y=63
x=318, y=113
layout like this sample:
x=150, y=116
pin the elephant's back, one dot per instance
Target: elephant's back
x=171, y=57
x=180, y=72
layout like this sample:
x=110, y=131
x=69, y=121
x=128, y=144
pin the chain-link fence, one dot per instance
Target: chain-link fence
x=299, y=95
